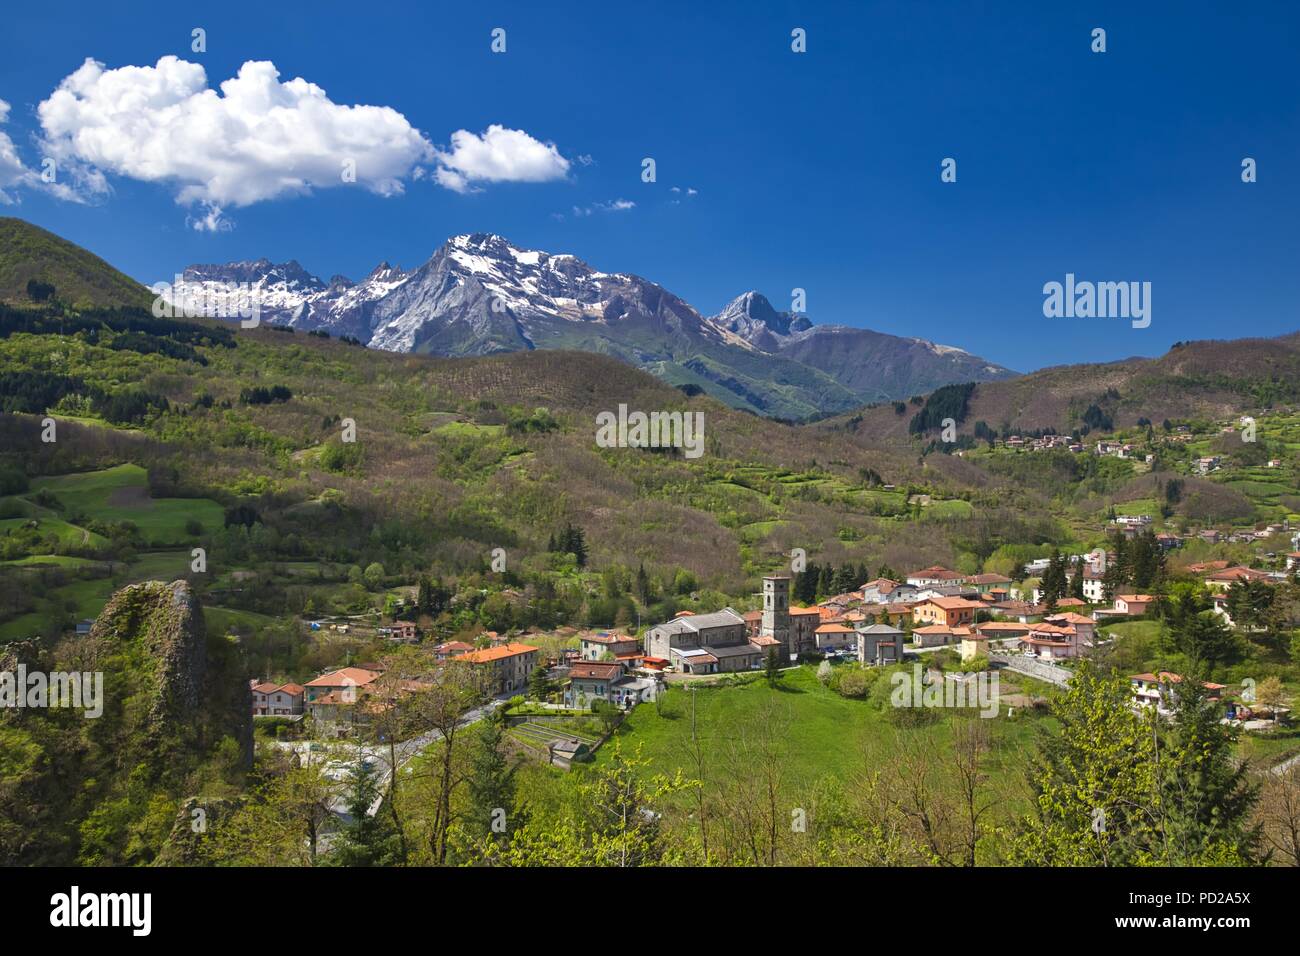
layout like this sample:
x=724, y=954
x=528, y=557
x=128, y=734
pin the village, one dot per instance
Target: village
x=551, y=691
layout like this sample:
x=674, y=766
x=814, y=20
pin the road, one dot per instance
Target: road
x=341, y=755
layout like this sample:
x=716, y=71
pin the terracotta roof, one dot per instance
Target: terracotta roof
x=952, y=603
x=496, y=653
x=882, y=584
x=989, y=578
x=937, y=572
x=1071, y=618
x=1169, y=677
x=996, y=626
x=806, y=610
x=834, y=629
x=1237, y=574
x=593, y=671
x=1044, y=641
x=453, y=646
x=345, y=677
x=699, y=659
x=1132, y=598
x=606, y=638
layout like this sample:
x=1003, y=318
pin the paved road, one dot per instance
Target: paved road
x=340, y=755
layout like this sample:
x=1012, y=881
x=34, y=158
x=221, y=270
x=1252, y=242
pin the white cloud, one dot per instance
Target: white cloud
x=257, y=139
x=498, y=155
x=12, y=170
x=251, y=139
x=613, y=205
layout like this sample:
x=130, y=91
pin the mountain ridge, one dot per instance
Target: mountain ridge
x=479, y=294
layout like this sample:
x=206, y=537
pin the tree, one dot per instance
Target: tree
x=1279, y=814
x=1272, y=695
x=366, y=840
x=1146, y=562
x=39, y=291
x=1205, y=795
x=1199, y=635
x=825, y=581
x=1119, y=788
x=1076, y=581
x=612, y=821
x=1249, y=602
x=539, y=685
x=772, y=666
x=642, y=585
x=453, y=690
x=373, y=576
x=279, y=824
x=491, y=784
x=571, y=540
x=804, y=589
x=1093, y=781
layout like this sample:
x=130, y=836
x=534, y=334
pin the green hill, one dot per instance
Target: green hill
x=79, y=277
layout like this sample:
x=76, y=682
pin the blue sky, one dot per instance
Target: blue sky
x=817, y=170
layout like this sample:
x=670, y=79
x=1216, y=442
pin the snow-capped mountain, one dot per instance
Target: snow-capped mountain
x=479, y=294
x=751, y=317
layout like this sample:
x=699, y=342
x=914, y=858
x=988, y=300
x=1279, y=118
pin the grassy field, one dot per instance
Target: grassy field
x=824, y=733
x=86, y=598
x=66, y=535
x=78, y=600
x=121, y=494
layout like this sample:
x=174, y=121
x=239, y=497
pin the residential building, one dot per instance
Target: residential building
x=449, y=649
x=804, y=622
x=346, y=683
x=589, y=682
x=932, y=635
x=880, y=644
x=885, y=591
x=1134, y=605
x=276, y=700
x=935, y=574
x=950, y=611
x=835, y=636
x=507, y=666
x=1222, y=580
x=985, y=583
x=594, y=647
x=1133, y=521
x=1159, y=690
x=1050, y=642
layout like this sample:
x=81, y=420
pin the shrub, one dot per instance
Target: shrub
x=12, y=481
x=852, y=683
